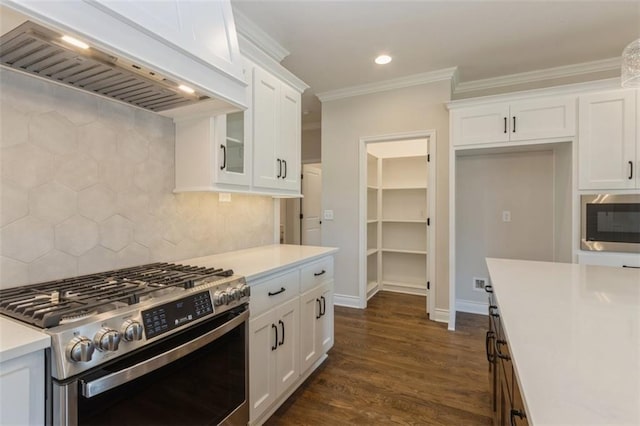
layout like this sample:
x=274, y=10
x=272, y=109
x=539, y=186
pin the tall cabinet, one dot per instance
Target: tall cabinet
x=397, y=224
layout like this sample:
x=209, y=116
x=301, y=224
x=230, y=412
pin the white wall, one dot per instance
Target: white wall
x=344, y=122
x=487, y=185
x=311, y=145
x=86, y=186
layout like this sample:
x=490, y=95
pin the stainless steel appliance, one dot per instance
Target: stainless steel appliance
x=610, y=222
x=154, y=344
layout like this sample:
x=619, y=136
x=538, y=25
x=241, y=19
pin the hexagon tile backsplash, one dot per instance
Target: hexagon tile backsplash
x=86, y=185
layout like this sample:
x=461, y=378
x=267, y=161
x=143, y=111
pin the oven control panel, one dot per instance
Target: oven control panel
x=163, y=318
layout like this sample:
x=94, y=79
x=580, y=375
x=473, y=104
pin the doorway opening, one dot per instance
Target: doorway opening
x=300, y=218
x=397, y=216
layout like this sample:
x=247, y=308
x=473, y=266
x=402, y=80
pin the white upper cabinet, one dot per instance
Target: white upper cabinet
x=514, y=121
x=276, y=134
x=608, y=141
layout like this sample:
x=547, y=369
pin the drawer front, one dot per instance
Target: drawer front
x=268, y=293
x=316, y=273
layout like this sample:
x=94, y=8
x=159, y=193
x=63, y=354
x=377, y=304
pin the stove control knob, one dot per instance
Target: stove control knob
x=107, y=339
x=220, y=297
x=131, y=330
x=234, y=294
x=80, y=349
x=245, y=290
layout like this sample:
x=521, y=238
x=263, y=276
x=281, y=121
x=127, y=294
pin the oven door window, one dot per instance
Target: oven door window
x=201, y=388
x=618, y=223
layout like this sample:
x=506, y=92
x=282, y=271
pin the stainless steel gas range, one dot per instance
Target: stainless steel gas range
x=154, y=344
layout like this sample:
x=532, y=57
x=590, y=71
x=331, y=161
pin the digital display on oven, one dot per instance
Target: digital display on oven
x=169, y=316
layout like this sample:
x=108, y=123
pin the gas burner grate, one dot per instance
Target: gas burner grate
x=47, y=304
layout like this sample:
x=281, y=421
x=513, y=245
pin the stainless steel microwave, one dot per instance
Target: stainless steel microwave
x=610, y=222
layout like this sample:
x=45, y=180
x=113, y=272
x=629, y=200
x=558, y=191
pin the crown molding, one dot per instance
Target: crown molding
x=249, y=30
x=538, y=75
x=565, y=89
x=396, y=83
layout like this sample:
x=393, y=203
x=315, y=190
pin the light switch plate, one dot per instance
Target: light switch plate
x=328, y=215
x=506, y=216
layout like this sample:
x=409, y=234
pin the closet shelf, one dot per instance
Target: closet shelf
x=403, y=188
x=404, y=221
x=390, y=250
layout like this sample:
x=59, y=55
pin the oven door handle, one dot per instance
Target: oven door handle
x=103, y=384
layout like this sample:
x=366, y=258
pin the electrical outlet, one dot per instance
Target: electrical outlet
x=328, y=215
x=506, y=216
x=479, y=283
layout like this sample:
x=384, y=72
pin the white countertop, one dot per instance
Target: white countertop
x=574, y=336
x=257, y=262
x=17, y=340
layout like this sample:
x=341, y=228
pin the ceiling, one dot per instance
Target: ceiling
x=332, y=44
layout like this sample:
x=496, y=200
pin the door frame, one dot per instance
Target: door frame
x=430, y=135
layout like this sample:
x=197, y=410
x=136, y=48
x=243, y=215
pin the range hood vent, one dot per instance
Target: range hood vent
x=36, y=50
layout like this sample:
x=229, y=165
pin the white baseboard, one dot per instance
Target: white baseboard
x=472, y=307
x=440, y=315
x=347, y=301
x=396, y=288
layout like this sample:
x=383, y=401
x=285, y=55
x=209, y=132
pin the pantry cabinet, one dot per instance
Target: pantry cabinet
x=609, y=146
x=276, y=132
x=514, y=121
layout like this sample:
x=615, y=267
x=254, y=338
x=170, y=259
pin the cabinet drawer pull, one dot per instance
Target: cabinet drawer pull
x=319, y=308
x=488, y=288
x=516, y=413
x=492, y=308
x=630, y=170
x=275, y=342
x=282, y=290
x=629, y=266
x=317, y=274
x=500, y=354
x=224, y=157
x=514, y=124
x=281, y=342
x=505, y=124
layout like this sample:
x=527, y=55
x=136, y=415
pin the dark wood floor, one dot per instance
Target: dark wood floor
x=390, y=365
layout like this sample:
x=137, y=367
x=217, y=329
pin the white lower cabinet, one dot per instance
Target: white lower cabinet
x=316, y=328
x=273, y=364
x=22, y=390
x=289, y=332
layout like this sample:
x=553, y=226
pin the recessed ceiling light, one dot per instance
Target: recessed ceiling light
x=75, y=42
x=383, y=59
x=186, y=89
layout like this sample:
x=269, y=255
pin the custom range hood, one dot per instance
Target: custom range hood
x=37, y=50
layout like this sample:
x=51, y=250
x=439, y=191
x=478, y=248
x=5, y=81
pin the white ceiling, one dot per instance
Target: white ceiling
x=332, y=44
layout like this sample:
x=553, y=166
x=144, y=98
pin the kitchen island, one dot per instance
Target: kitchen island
x=573, y=334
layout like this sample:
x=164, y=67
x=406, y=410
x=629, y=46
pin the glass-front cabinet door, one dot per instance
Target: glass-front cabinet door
x=233, y=132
